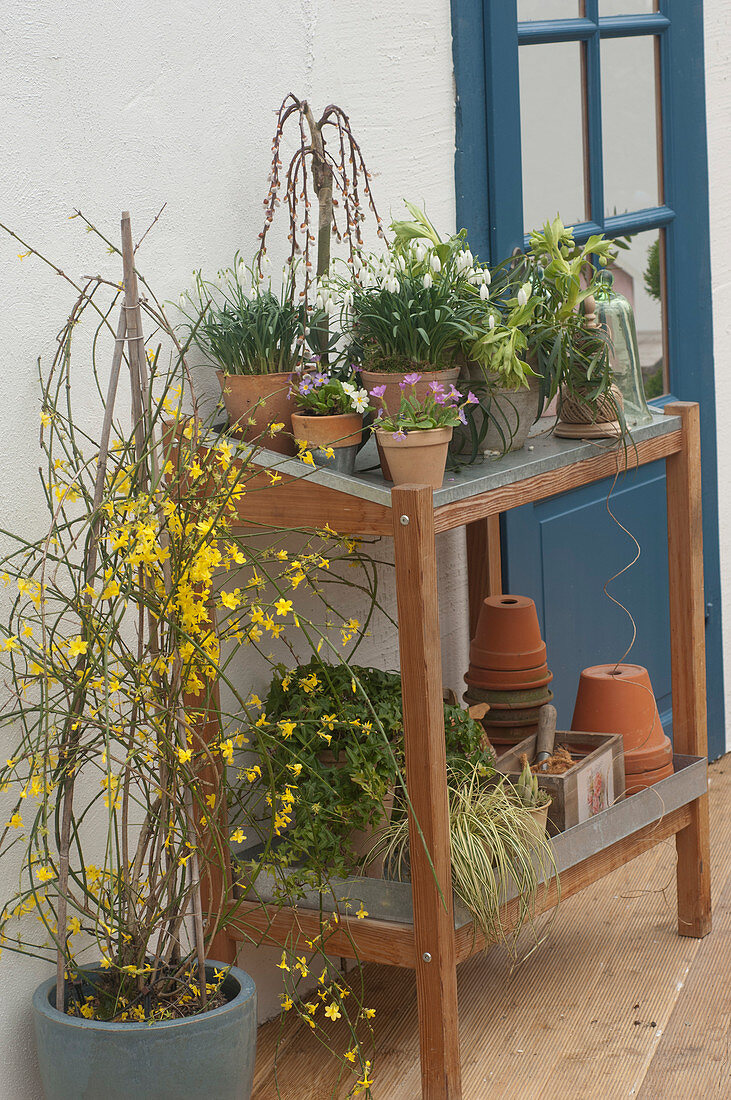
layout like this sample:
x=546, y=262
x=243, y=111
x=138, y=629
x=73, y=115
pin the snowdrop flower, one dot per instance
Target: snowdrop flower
x=348, y=298
x=435, y=263
x=401, y=263
x=319, y=302
x=420, y=250
x=484, y=292
x=486, y=276
x=428, y=280
x=523, y=293
x=491, y=322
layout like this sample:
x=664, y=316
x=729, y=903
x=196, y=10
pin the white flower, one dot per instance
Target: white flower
x=435, y=263
x=401, y=263
x=491, y=322
x=348, y=298
x=486, y=276
x=420, y=250
x=330, y=307
x=523, y=293
x=349, y=388
x=319, y=301
x=427, y=280
x=484, y=292
x=359, y=401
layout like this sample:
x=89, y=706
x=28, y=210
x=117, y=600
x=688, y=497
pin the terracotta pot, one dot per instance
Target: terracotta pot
x=419, y=459
x=581, y=418
x=619, y=699
x=264, y=400
x=513, y=699
x=508, y=635
x=538, y=818
x=509, y=680
x=342, y=432
x=641, y=782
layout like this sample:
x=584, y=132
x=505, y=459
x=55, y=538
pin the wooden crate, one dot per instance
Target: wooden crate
x=593, y=784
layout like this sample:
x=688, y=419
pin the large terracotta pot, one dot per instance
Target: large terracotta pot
x=342, y=432
x=262, y=399
x=619, y=699
x=419, y=459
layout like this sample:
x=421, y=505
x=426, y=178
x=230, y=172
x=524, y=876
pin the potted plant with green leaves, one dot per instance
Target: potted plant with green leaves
x=533, y=797
x=338, y=728
x=254, y=336
x=570, y=349
x=414, y=440
x=329, y=417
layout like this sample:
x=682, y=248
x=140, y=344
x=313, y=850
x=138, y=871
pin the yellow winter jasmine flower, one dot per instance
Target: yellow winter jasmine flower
x=287, y=1002
x=365, y=1082
x=295, y=769
x=254, y=701
x=184, y=755
x=16, y=821
x=238, y=836
x=333, y=1011
x=231, y=599
x=45, y=419
x=282, y=606
x=361, y=912
x=10, y=642
x=287, y=728
x=45, y=874
x=74, y=926
x=77, y=646
x=283, y=964
x=350, y=1055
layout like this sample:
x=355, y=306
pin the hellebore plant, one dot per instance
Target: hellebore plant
x=320, y=394
x=442, y=407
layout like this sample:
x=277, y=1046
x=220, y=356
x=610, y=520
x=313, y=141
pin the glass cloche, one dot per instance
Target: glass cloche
x=615, y=312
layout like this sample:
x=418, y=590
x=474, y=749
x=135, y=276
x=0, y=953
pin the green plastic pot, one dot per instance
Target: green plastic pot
x=209, y=1056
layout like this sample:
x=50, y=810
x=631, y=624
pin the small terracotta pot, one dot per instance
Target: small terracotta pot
x=508, y=635
x=619, y=699
x=344, y=430
x=419, y=459
x=262, y=399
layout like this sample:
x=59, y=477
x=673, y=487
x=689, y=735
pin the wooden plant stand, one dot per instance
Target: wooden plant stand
x=361, y=505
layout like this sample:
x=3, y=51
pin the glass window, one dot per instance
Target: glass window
x=551, y=115
x=627, y=7
x=630, y=124
x=548, y=9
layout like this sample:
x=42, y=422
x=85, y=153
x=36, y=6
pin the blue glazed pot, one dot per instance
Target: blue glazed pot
x=207, y=1056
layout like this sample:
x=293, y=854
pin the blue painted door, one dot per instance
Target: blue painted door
x=639, y=101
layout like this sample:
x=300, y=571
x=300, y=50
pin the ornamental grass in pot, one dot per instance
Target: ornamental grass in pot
x=328, y=423
x=414, y=441
x=497, y=853
x=255, y=338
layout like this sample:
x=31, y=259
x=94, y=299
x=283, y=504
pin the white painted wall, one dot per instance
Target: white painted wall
x=717, y=14
x=107, y=107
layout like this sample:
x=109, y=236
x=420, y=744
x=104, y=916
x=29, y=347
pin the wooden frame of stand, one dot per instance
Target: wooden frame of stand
x=432, y=946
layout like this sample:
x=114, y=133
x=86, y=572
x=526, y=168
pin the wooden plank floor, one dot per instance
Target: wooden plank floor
x=614, y=1004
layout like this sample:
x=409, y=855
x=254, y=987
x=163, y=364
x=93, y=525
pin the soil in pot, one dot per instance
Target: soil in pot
x=342, y=433
x=210, y=1054
x=419, y=459
x=262, y=399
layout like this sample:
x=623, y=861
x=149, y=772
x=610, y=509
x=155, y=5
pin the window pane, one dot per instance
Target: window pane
x=629, y=124
x=552, y=133
x=626, y=7
x=639, y=275
x=548, y=9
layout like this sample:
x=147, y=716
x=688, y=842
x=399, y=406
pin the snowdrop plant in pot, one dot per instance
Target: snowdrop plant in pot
x=328, y=424
x=415, y=440
x=492, y=346
x=254, y=336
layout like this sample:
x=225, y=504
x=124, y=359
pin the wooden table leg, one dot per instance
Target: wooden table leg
x=426, y=777
x=688, y=661
x=484, y=564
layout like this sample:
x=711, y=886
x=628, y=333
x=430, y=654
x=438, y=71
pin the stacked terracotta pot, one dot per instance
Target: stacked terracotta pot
x=508, y=668
x=618, y=698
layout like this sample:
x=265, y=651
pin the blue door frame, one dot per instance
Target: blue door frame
x=486, y=39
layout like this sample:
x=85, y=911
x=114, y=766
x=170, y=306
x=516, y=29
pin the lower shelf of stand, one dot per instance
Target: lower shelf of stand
x=583, y=855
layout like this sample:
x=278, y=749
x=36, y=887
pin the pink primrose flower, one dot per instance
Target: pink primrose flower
x=412, y=379
x=378, y=391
